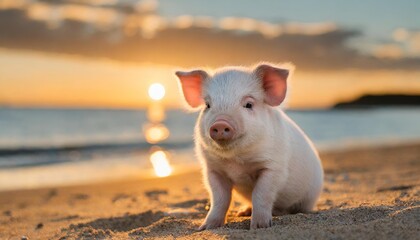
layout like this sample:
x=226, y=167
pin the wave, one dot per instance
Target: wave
x=89, y=147
x=36, y=156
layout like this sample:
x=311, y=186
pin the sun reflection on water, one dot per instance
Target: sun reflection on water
x=155, y=131
x=160, y=163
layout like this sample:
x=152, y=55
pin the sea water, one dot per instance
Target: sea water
x=40, y=146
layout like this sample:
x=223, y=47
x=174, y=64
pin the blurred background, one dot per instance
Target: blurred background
x=87, y=90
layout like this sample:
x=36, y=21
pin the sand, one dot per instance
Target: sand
x=369, y=193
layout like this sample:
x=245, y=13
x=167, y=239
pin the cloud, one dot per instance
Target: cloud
x=13, y=4
x=271, y=30
x=412, y=42
x=405, y=43
x=104, y=14
x=54, y=15
x=138, y=34
x=390, y=50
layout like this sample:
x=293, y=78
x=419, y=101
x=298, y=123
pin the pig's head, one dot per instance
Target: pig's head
x=235, y=104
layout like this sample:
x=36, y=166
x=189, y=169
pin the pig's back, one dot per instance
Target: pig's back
x=305, y=177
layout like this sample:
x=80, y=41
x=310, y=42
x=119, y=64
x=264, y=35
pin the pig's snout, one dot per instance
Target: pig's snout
x=221, y=131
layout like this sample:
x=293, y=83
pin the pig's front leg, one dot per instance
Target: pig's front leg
x=221, y=192
x=263, y=198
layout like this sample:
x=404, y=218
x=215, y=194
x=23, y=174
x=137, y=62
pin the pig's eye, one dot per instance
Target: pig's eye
x=248, y=105
x=207, y=105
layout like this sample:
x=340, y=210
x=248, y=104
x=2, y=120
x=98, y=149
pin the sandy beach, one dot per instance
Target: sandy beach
x=369, y=193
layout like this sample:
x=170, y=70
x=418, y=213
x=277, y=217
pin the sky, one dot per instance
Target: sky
x=105, y=53
x=377, y=18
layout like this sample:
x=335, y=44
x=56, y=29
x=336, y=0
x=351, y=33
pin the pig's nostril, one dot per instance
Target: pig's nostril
x=215, y=130
x=227, y=129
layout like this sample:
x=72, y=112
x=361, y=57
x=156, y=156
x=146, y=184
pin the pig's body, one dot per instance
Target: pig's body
x=246, y=144
x=286, y=150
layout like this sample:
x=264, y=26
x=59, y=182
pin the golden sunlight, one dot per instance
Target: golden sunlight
x=156, y=112
x=160, y=163
x=38, y=84
x=156, y=91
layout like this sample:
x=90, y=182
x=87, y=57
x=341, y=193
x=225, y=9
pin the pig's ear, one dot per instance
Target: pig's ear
x=191, y=84
x=274, y=81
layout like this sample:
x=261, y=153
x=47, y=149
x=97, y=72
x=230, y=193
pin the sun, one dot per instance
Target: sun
x=156, y=91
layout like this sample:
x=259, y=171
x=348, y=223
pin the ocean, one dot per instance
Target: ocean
x=101, y=144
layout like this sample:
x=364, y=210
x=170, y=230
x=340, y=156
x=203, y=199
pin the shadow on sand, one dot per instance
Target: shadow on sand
x=385, y=221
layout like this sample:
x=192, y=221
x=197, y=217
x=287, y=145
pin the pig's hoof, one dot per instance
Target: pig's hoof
x=211, y=224
x=245, y=212
x=261, y=223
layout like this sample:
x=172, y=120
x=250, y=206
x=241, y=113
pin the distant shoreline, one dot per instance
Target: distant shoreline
x=383, y=100
x=338, y=106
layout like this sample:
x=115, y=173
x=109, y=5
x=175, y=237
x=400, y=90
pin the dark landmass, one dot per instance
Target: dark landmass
x=368, y=101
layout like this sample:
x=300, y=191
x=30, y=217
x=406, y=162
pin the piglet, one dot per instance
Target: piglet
x=245, y=143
